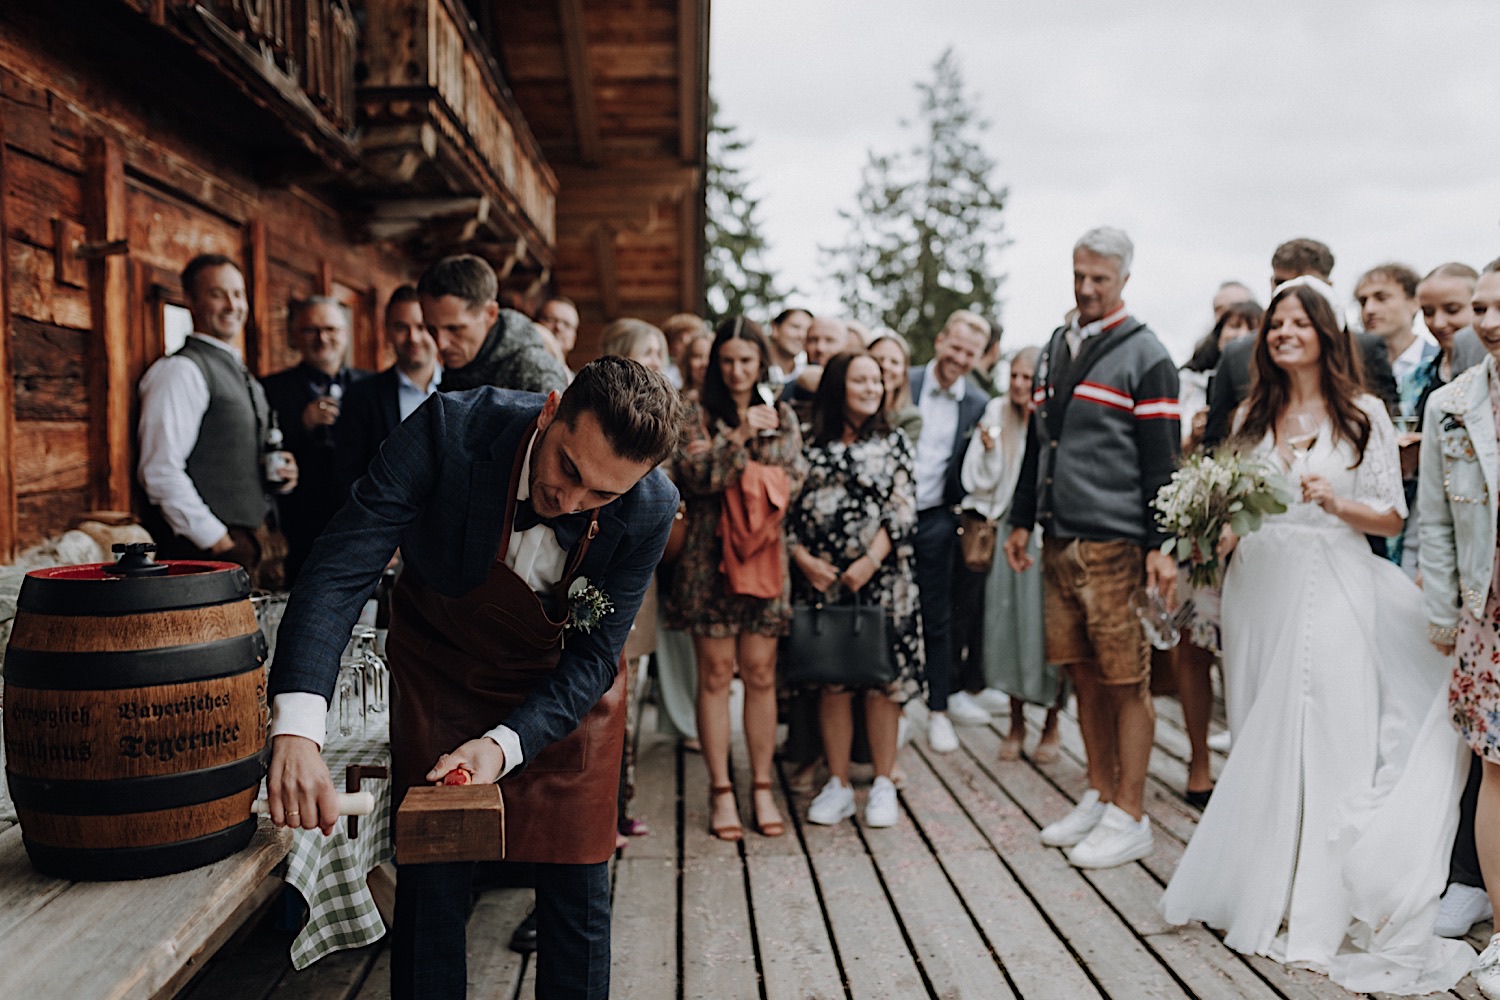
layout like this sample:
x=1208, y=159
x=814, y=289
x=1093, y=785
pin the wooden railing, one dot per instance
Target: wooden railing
x=302, y=50
x=427, y=54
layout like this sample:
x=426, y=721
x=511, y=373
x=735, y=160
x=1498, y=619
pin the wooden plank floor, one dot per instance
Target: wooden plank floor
x=958, y=900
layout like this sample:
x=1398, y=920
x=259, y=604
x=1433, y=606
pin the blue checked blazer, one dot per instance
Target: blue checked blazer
x=438, y=489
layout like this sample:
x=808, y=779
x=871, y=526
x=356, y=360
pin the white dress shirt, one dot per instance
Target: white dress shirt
x=939, y=409
x=409, y=395
x=1076, y=334
x=534, y=555
x=174, y=398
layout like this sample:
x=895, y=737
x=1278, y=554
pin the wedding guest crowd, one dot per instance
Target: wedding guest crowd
x=995, y=518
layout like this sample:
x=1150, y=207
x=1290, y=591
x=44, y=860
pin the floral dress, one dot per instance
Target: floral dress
x=852, y=491
x=700, y=602
x=1474, y=690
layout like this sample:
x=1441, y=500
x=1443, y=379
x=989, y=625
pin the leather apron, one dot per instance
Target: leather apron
x=461, y=665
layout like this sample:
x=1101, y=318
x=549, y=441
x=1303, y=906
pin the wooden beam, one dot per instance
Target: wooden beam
x=325, y=277
x=690, y=249
x=7, y=391
x=580, y=80
x=609, y=282
x=259, y=277
x=692, y=79
x=111, y=442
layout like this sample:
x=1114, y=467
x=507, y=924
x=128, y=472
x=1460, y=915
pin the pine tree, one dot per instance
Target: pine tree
x=737, y=279
x=926, y=226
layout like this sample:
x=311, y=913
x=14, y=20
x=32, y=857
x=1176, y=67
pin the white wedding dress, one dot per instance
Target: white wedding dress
x=1327, y=839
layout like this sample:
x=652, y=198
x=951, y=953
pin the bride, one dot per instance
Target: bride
x=1326, y=842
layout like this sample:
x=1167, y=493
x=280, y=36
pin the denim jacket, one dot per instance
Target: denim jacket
x=1457, y=500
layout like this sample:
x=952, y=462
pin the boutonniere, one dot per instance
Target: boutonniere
x=587, y=605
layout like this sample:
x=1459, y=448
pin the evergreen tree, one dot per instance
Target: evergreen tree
x=926, y=226
x=737, y=279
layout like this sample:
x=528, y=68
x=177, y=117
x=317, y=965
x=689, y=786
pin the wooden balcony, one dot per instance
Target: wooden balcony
x=294, y=59
x=441, y=133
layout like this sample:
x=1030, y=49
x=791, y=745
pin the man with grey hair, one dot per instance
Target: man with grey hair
x=1104, y=439
x=306, y=400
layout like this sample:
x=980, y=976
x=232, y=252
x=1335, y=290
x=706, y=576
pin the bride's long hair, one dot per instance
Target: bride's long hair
x=1342, y=378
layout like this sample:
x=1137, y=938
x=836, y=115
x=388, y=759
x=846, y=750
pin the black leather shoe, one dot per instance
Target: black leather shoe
x=1198, y=800
x=523, y=938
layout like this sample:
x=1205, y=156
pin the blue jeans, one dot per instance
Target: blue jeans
x=432, y=913
x=937, y=540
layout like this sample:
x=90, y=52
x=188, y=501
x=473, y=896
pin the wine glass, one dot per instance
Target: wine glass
x=1163, y=629
x=1301, y=434
x=767, y=394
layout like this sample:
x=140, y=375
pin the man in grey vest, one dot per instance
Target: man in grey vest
x=203, y=429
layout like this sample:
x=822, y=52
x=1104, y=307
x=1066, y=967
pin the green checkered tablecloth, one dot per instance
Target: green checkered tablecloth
x=330, y=871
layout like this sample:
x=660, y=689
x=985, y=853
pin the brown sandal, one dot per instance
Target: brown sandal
x=729, y=831
x=775, y=829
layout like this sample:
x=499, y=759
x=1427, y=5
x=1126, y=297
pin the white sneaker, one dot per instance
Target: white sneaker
x=940, y=735
x=834, y=804
x=1220, y=741
x=1486, y=970
x=1463, y=907
x=1073, y=827
x=993, y=701
x=964, y=710
x=882, y=808
x=1115, y=840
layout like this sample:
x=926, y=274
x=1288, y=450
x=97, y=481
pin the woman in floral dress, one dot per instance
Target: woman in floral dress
x=851, y=529
x=732, y=630
x=1457, y=494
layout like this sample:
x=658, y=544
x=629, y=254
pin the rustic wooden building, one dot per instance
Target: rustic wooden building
x=330, y=146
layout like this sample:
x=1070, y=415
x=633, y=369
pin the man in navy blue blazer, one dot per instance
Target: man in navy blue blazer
x=529, y=527
x=373, y=407
x=950, y=405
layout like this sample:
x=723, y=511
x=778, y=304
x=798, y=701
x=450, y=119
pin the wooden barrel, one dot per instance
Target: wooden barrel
x=135, y=718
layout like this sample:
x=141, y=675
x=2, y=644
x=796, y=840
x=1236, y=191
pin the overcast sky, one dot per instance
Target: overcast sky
x=1209, y=131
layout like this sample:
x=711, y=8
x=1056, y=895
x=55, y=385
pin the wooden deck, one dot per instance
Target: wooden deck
x=958, y=900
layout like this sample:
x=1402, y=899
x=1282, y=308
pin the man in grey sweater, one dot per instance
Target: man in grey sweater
x=1104, y=439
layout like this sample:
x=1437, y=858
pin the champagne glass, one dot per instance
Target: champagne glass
x=1162, y=628
x=767, y=394
x=1301, y=434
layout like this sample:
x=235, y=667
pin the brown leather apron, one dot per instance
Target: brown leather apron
x=461, y=665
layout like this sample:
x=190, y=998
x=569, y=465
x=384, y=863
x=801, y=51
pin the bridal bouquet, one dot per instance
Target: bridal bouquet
x=1209, y=491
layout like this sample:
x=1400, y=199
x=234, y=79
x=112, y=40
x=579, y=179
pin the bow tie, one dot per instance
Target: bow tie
x=942, y=393
x=566, y=528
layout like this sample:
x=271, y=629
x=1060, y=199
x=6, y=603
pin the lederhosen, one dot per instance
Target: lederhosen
x=461, y=665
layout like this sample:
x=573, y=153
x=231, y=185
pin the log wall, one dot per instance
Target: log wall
x=81, y=162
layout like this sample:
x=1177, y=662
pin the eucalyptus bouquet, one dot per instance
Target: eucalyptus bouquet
x=1209, y=491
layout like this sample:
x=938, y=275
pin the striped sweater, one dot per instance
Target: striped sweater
x=1100, y=446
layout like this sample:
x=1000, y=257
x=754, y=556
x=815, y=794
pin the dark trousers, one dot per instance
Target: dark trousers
x=968, y=624
x=937, y=538
x=1463, y=867
x=429, y=940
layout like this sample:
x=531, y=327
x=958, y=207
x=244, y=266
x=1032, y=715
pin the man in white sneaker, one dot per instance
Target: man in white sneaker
x=1104, y=439
x=951, y=406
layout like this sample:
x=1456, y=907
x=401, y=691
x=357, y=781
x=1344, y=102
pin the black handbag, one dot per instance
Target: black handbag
x=843, y=644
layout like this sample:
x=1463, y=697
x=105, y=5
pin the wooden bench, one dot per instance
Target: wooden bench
x=119, y=940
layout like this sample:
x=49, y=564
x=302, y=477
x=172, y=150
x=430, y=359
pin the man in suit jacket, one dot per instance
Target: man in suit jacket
x=308, y=400
x=372, y=408
x=950, y=405
x=519, y=518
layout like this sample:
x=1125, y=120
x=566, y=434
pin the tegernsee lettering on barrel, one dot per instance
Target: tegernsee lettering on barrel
x=51, y=716
x=132, y=711
x=167, y=747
